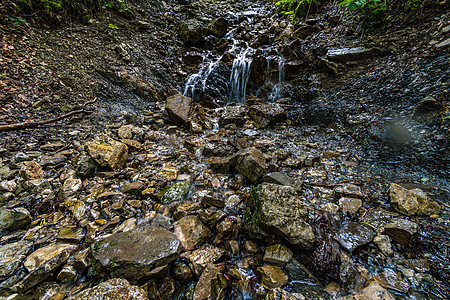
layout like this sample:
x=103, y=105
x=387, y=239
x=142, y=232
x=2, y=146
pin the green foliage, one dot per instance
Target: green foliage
x=373, y=12
x=297, y=9
x=112, y=26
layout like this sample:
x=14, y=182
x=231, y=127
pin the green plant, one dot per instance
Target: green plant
x=112, y=26
x=296, y=9
x=373, y=12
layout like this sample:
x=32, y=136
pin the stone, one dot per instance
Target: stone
x=384, y=244
x=373, y=291
x=280, y=294
x=31, y=170
x=113, y=289
x=305, y=30
x=12, y=256
x=350, y=205
x=218, y=27
x=428, y=111
x=67, y=274
x=191, y=32
x=183, y=111
x=402, y=231
x=277, y=211
x=348, y=190
x=174, y=192
x=330, y=207
x=125, y=132
x=303, y=282
x=107, y=152
x=267, y=114
x=8, y=185
x=182, y=271
x=233, y=115
x=42, y=262
x=15, y=218
x=378, y=218
x=211, y=284
x=134, y=254
x=444, y=44
x=227, y=229
x=86, y=167
x=328, y=67
x=232, y=201
x=162, y=221
x=390, y=279
x=70, y=234
x=201, y=257
x=411, y=202
x=281, y=179
x=272, y=277
x=349, y=54
x=70, y=187
x=278, y=255
x=82, y=260
x=250, y=163
x=353, y=235
x=349, y=275
x=191, y=232
x=132, y=187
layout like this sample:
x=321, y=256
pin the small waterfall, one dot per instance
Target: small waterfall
x=275, y=94
x=240, y=73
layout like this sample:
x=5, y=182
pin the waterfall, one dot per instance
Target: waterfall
x=240, y=73
x=275, y=94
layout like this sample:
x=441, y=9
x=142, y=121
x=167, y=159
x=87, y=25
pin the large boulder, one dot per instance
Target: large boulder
x=411, y=202
x=113, y=289
x=250, y=163
x=191, y=32
x=15, y=218
x=107, y=152
x=267, y=114
x=184, y=112
x=218, y=27
x=11, y=257
x=191, y=232
x=277, y=211
x=134, y=254
x=211, y=284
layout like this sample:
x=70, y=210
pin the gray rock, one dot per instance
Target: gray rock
x=349, y=54
x=201, y=257
x=15, y=218
x=134, y=254
x=444, y=44
x=353, y=235
x=70, y=187
x=384, y=244
x=402, y=231
x=174, y=192
x=274, y=210
x=391, y=279
x=267, y=114
x=12, y=256
x=191, y=32
x=250, y=163
x=350, y=205
x=218, y=27
x=191, y=232
x=113, y=289
x=278, y=255
x=281, y=179
x=411, y=202
x=67, y=274
x=86, y=167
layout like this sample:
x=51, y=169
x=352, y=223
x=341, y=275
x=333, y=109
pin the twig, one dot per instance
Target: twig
x=32, y=124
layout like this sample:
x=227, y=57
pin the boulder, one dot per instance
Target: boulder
x=201, y=257
x=402, y=231
x=411, y=202
x=113, y=289
x=272, y=277
x=277, y=211
x=278, y=255
x=218, y=27
x=107, y=152
x=184, y=112
x=233, y=115
x=267, y=114
x=191, y=32
x=136, y=253
x=31, y=170
x=250, y=163
x=11, y=257
x=353, y=235
x=211, y=284
x=191, y=232
x=15, y=218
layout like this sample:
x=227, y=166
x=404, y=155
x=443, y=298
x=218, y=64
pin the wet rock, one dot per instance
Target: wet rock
x=274, y=210
x=267, y=114
x=384, y=244
x=303, y=282
x=191, y=232
x=211, y=284
x=349, y=54
x=372, y=291
x=70, y=187
x=444, y=44
x=402, y=231
x=70, y=234
x=183, y=111
x=82, y=260
x=281, y=179
x=113, y=289
x=218, y=27
x=251, y=248
x=31, y=170
x=419, y=265
x=378, y=218
x=227, y=229
x=233, y=115
x=182, y=271
x=272, y=277
x=42, y=262
x=86, y=167
x=328, y=67
x=350, y=205
x=305, y=30
x=134, y=254
x=428, y=111
x=201, y=257
x=67, y=274
x=250, y=163
x=411, y=202
x=132, y=187
x=348, y=190
x=353, y=235
x=11, y=257
x=191, y=32
x=350, y=278
x=15, y=218
x=280, y=294
x=8, y=185
x=330, y=207
x=174, y=192
x=278, y=255
x=107, y=152
x=390, y=279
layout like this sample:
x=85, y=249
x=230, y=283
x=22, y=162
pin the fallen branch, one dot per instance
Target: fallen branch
x=24, y=125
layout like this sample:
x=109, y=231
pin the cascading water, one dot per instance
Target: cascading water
x=240, y=74
x=275, y=94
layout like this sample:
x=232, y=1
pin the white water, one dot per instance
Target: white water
x=275, y=94
x=240, y=73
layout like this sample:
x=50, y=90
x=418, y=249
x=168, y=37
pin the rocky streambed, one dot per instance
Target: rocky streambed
x=176, y=206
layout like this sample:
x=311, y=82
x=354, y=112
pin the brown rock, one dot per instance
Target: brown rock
x=267, y=114
x=191, y=232
x=411, y=202
x=250, y=163
x=183, y=111
x=272, y=277
x=107, y=152
x=31, y=170
x=401, y=231
x=201, y=257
